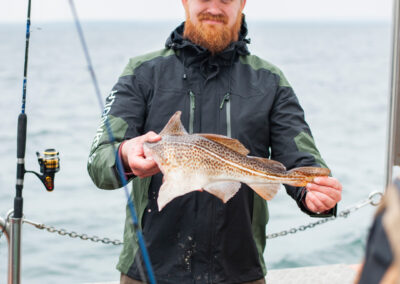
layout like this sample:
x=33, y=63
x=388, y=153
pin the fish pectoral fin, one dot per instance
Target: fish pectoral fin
x=265, y=190
x=232, y=144
x=174, y=126
x=224, y=190
x=171, y=189
x=271, y=163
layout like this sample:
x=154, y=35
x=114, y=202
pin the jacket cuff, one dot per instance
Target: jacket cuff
x=303, y=207
x=128, y=172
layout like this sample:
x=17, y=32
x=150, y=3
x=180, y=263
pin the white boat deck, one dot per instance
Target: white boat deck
x=327, y=274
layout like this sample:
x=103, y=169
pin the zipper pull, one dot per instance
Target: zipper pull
x=192, y=100
x=225, y=99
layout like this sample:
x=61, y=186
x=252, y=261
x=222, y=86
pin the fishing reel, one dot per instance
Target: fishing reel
x=49, y=165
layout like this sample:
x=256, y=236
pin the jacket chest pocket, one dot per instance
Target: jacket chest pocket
x=250, y=120
x=164, y=103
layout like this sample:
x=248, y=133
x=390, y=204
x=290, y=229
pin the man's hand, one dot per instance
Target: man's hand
x=133, y=157
x=323, y=194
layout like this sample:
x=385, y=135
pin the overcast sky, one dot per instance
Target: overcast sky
x=309, y=10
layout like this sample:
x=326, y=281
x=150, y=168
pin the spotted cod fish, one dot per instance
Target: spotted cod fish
x=216, y=164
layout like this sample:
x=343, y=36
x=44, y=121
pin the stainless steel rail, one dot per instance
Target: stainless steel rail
x=393, y=153
x=14, y=255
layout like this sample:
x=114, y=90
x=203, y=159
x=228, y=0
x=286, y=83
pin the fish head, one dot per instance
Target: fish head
x=164, y=150
x=155, y=151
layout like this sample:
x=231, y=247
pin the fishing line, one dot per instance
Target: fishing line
x=121, y=173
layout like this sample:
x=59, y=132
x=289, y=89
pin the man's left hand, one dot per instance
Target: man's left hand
x=323, y=194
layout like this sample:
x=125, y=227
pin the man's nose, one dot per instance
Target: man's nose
x=214, y=7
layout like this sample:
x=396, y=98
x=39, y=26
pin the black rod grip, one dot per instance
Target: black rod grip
x=21, y=135
x=18, y=204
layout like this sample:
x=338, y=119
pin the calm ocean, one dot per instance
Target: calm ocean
x=340, y=72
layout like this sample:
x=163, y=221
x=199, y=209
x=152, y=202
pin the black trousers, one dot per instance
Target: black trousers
x=127, y=280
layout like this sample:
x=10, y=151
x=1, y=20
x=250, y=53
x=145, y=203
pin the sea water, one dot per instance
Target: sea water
x=339, y=71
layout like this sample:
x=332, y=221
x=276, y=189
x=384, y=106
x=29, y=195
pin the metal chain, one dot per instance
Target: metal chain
x=373, y=199
x=72, y=234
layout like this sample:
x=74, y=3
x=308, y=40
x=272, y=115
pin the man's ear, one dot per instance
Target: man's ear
x=184, y=2
x=242, y=4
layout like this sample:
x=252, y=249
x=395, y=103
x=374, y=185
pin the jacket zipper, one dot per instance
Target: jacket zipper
x=226, y=100
x=192, y=108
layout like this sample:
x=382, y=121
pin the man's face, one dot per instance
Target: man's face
x=213, y=24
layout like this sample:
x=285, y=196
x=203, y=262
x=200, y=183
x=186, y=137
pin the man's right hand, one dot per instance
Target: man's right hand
x=133, y=156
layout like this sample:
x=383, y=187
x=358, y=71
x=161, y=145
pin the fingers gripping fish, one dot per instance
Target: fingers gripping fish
x=216, y=164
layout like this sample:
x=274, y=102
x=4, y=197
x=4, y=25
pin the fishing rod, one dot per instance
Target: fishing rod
x=49, y=165
x=14, y=261
x=120, y=170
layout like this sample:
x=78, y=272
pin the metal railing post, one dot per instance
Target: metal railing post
x=14, y=251
x=393, y=153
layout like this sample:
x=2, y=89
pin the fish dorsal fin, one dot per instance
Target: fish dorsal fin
x=271, y=163
x=232, y=144
x=174, y=126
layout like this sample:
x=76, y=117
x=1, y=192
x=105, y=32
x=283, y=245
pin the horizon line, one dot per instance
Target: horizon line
x=372, y=20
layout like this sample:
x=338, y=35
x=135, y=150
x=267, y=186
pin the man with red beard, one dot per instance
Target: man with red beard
x=211, y=27
x=207, y=72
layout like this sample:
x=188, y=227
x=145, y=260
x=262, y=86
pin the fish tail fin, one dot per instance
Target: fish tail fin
x=310, y=171
x=306, y=175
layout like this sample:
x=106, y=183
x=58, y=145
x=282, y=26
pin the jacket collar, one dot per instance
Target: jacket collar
x=191, y=52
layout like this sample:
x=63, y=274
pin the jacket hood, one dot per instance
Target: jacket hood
x=195, y=52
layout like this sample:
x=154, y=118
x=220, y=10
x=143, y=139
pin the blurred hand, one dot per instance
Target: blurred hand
x=133, y=156
x=323, y=194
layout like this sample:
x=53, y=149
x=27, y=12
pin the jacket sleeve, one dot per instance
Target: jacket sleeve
x=292, y=143
x=125, y=111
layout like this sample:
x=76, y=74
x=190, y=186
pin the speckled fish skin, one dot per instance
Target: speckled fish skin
x=193, y=162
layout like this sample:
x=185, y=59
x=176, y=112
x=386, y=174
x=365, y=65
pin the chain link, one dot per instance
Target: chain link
x=72, y=234
x=374, y=199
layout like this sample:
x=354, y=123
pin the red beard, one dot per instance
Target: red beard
x=213, y=37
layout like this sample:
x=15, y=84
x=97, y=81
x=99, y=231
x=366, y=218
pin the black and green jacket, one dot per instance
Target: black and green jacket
x=196, y=238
